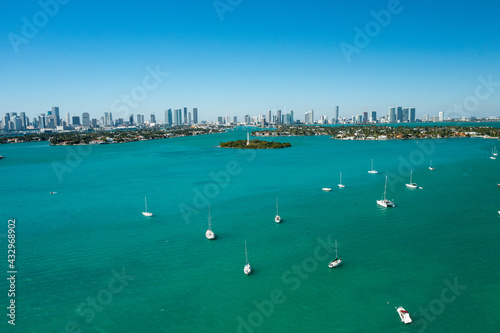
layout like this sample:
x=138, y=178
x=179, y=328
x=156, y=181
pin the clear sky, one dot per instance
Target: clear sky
x=261, y=55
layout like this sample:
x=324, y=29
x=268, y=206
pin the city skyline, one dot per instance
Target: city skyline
x=359, y=55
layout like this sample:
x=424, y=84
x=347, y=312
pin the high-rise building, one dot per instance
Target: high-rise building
x=392, y=114
x=235, y=119
x=278, y=117
x=406, y=115
x=168, y=117
x=177, y=117
x=195, y=115
x=373, y=117
x=76, y=121
x=220, y=120
x=190, y=121
x=185, y=115
x=269, y=115
x=441, y=116
x=41, y=121
x=94, y=123
x=138, y=119
x=23, y=120
x=131, y=120
x=291, y=117
x=337, y=115
x=110, y=119
x=309, y=117
x=399, y=114
x=153, y=119
x=55, y=113
x=247, y=119
x=365, y=117
x=86, y=119
x=412, y=115
x=68, y=119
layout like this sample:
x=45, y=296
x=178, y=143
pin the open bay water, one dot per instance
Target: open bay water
x=71, y=246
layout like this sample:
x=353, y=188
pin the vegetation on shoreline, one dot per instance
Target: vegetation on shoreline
x=371, y=132
x=255, y=144
x=105, y=137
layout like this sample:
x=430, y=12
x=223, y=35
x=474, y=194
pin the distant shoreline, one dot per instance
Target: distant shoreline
x=382, y=133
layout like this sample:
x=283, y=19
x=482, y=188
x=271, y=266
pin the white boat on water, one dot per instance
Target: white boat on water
x=411, y=184
x=146, y=213
x=493, y=153
x=404, y=315
x=248, y=269
x=372, y=170
x=340, y=183
x=209, y=234
x=385, y=202
x=431, y=167
x=337, y=261
x=277, y=218
x=327, y=189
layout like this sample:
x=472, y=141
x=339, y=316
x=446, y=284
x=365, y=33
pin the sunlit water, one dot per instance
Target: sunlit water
x=72, y=245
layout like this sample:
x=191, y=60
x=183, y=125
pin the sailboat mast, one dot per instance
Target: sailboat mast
x=146, y=203
x=385, y=188
x=209, y=219
x=411, y=177
x=341, y=178
x=372, y=163
x=336, y=255
x=246, y=254
x=277, y=206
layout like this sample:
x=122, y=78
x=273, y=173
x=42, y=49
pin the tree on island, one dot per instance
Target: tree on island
x=254, y=144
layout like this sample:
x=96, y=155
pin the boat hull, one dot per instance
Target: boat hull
x=386, y=203
x=277, y=219
x=335, y=263
x=326, y=189
x=147, y=214
x=412, y=185
x=210, y=234
x=404, y=315
x=247, y=270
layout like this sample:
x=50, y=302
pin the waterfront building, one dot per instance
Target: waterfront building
x=195, y=115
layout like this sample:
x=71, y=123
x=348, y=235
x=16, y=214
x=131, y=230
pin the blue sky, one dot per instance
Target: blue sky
x=262, y=55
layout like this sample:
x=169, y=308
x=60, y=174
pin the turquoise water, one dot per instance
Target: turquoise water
x=68, y=244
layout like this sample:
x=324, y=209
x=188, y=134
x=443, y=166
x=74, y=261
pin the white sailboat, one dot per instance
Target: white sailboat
x=340, y=183
x=404, y=315
x=146, y=213
x=431, y=167
x=385, y=202
x=277, y=218
x=209, y=234
x=327, y=189
x=493, y=153
x=411, y=184
x=248, y=269
x=372, y=170
x=337, y=261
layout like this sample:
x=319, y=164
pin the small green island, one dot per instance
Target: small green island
x=254, y=144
